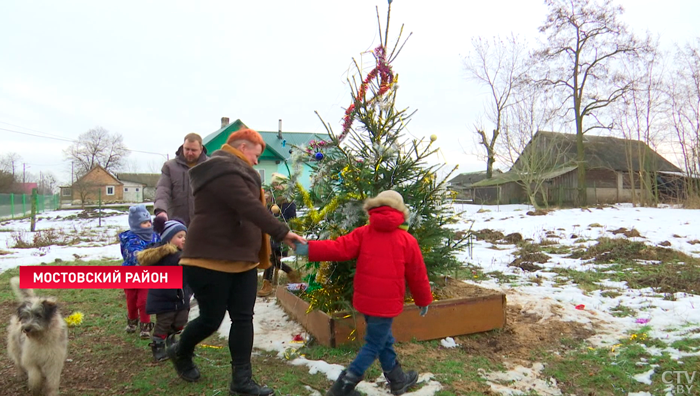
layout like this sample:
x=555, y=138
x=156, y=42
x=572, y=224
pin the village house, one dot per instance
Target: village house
x=613, y=169
x=96, y=185
x=276, y=157
x=145, y=184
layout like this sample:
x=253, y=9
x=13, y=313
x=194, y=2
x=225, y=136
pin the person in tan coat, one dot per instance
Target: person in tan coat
x=173, y=193
x=226, y=243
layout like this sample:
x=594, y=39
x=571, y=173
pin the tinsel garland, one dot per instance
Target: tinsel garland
x=387, y=80
x=315, y=215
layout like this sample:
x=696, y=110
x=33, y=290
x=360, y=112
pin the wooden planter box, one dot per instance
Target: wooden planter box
x=445, y=318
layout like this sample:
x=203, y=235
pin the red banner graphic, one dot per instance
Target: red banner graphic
x=100, y=277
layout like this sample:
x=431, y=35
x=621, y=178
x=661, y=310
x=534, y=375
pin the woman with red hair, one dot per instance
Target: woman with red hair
x=226, y=244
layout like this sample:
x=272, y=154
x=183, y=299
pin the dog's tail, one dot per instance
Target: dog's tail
x=21, y=294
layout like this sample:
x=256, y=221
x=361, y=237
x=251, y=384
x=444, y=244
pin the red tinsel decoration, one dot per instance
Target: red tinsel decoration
x=386, y=77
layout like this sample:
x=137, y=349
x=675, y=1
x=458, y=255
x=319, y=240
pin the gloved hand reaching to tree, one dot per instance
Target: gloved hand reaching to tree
x=301, y=249
x=423, y=310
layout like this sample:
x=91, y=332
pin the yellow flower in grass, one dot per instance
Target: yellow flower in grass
x=74, y=319
x=210, y=346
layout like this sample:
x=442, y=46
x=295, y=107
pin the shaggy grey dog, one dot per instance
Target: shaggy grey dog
x=37, y=341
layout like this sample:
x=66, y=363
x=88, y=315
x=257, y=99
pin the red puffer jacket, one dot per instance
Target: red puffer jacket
x=387, y=257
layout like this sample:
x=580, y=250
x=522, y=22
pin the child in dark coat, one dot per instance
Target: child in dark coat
x=387, y=257
x=171, y=306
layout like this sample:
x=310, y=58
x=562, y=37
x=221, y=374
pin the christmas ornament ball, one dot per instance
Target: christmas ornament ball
x=275, y=209
x=318, y=156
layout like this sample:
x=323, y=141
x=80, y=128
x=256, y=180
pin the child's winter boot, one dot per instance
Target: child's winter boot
x=145, y=329
x=131, y=325
x=171, y=340
x=158, y=347
x=345, y=385
x=242, y=383
x=399, y=382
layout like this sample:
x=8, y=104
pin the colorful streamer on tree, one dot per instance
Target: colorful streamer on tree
x=384, y=72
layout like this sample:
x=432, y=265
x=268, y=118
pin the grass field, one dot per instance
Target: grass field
x=104, y=360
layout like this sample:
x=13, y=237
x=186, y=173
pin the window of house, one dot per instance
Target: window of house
x=126, y=189
x=137, y=190
x=110, y=190
x=262, y=175
x=67, y=192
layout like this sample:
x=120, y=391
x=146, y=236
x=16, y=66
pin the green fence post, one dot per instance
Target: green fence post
x=24, y=204
x=12, y=205
x=34, y=207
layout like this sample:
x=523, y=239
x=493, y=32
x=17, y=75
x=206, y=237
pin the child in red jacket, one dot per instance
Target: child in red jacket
x=387, y=257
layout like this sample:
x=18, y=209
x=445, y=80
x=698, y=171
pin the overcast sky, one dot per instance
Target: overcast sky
x=154, y=71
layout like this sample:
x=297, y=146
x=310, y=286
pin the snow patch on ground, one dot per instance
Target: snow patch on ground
x=449, y=342
x=521, y=380
x=102, y=245
x=669, y=319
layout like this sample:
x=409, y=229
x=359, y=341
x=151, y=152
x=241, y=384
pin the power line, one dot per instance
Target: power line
x=33, y=130
x=72, y=141
x=41, y=136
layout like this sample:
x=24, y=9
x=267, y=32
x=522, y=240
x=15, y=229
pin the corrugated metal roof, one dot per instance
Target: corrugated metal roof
x=274, y=149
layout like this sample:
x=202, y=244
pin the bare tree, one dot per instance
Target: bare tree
x=538, y=162
x=532, y=160
x=584, y=40
x=97, y=147
x=533, y=110
x=48, y=184
x=10, y=162
x=640, y=117
x=684, y=96
x=499, y=65
x=6, y=182
x=85, y=190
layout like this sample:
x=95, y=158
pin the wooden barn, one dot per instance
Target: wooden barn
x=614, y=168
x=461, y=184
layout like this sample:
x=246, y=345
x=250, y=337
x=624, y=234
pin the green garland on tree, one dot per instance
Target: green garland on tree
x=370, y=155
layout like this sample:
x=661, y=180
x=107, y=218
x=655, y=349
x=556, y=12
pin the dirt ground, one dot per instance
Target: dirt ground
x=104, y=363
x=522, y=334
x=92, y=373
x=458, y=289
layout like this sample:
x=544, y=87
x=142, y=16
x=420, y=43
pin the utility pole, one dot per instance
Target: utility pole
x=24, y=173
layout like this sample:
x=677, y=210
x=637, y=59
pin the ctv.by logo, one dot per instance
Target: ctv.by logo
x=682, y=382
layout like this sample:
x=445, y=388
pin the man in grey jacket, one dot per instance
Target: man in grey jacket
x=173, y=194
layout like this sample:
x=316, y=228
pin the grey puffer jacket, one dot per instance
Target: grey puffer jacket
x=173, y=193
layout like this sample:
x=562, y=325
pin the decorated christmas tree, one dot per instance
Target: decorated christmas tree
x=372, y=153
